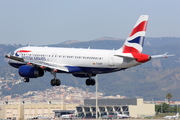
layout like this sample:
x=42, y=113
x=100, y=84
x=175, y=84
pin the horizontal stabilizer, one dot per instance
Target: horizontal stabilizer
x=162, y=55
x=125, y=56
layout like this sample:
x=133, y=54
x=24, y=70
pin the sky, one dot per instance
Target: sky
x=43, y=22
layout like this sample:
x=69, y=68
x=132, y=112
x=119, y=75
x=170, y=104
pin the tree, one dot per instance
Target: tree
x=162, y=108
x=168, y=97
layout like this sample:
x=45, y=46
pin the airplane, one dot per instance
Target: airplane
x=33, y=61
x=69, y=116
x=172, y=117
x=121, y=116
x=115, y=115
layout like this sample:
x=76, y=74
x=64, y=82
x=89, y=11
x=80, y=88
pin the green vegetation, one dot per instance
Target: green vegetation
x=166, y=108
x=168, y=97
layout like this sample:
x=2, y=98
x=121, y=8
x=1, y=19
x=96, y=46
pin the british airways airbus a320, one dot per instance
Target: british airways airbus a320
x=87, y=63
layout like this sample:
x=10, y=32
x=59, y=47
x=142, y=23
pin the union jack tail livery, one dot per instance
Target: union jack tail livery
x=134, y=43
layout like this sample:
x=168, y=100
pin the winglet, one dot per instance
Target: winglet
x=8, y=55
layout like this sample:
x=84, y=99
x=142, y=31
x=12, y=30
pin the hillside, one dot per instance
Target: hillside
x=152, y=80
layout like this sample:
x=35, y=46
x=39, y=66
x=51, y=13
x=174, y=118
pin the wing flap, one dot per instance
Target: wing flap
x=49, y=65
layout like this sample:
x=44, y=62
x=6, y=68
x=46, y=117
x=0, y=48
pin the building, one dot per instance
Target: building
x=24, y=110
x=17, y=110
x=132, y=107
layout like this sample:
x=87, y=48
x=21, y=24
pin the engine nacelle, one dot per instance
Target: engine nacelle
x=83, y=75
x=30, y=72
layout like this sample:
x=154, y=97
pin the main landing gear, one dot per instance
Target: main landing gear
x=55, y=82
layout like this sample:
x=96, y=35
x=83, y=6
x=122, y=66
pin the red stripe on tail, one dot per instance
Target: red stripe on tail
x=140, y=27
x=127, y=49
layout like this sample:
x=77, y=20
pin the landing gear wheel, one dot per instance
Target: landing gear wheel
x=93, y=82
x=53, y=82
x=88, y=82
x=26, y=80
x=58, y=82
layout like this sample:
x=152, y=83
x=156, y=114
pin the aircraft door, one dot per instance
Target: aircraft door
x=111, y=59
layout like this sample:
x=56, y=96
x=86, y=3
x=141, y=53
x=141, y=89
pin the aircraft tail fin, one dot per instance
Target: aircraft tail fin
x=134, y=42
x=177, y=115
x=75, y=112
x=117, y=112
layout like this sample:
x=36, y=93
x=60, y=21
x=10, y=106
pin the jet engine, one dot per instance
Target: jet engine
x=30, y=72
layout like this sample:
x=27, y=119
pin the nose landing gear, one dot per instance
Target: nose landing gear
x=26, y=80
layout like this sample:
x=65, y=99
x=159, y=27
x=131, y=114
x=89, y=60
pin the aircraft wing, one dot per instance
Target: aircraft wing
x=14, y=57
x=50, y=65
